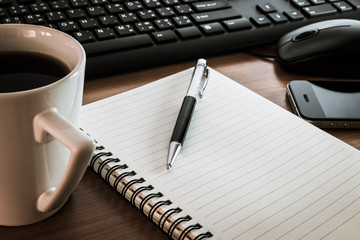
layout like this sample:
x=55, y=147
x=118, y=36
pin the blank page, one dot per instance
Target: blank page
x=248, y=169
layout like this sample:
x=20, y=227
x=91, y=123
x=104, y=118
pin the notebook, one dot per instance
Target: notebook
x=249, y=169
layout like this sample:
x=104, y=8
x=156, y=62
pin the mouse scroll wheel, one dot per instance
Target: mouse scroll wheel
x=305, y=35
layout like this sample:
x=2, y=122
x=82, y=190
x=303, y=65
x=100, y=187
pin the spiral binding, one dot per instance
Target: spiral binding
x=156, y=206
x=138, y=191
x=189, y=229
x=176, y=223
x=97, y=156
x=103, y=164
x=104, y=158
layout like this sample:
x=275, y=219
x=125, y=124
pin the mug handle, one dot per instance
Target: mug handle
x=81, y=147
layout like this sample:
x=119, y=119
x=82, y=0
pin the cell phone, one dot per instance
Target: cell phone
x=326, y=104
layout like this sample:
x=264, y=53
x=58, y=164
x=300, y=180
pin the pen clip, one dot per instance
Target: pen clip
x=205, y=82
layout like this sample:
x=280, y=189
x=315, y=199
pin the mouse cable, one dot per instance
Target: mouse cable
x=268, y=57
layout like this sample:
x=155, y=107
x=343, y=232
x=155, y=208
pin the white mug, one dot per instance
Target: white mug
x=43, y=155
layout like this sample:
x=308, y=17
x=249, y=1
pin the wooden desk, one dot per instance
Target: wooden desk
x=95, y=210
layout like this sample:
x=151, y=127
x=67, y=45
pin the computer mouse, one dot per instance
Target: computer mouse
x=328, y=48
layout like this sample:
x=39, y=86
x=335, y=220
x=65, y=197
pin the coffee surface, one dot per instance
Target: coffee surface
x=20, y=71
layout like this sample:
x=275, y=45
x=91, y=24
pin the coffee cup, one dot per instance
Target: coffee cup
x=43, y=152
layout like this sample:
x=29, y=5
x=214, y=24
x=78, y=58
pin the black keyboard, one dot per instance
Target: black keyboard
x=123, y=35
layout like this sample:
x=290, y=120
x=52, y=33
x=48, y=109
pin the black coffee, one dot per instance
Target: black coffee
x=21, y=71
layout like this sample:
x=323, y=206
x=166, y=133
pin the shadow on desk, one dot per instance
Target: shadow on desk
x=94, y=211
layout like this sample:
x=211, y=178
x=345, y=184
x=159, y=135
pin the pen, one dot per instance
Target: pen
x=195, y=91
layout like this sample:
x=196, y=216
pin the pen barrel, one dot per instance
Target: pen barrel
x=183, y=120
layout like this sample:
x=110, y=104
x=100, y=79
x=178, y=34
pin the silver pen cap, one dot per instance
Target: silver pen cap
x=199, y=80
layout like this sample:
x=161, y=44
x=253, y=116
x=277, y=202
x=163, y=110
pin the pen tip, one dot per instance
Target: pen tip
x=168, y=166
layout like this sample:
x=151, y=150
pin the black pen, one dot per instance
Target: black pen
x=195, y=91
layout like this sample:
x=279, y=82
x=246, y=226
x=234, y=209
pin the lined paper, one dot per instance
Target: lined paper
x=248, y=169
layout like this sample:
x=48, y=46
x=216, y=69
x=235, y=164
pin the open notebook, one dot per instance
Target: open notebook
x=248, y=170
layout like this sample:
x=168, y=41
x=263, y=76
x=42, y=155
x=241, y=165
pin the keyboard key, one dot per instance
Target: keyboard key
x=165, y=12
x=294, y=15
x=342, y=6
x=183, y=9
x=260, y=21
x=108, y=20
x=39, y=8
x=11, y=20
x=55, y=16
x=300, y=3
x=34, y=19
x=147, y=14
x=210, y=6
x=189, y=32
x=164, y=36
x=277, y=17
x=215, y=16
x=84, y=36
x=68, y=26
x=118, y=44
x=144, y=27
x=265, y=8
x=152, y=3
x=134, y=5
x=128, y=17
x=315, y=2
x=212, y=28
x=354, y=3
x=88, y=23
x=98, y=2
x=171, y=2
x=59, y=5
x=104, y=33
x=319, y=10
x=182, y=21
x=125, y=30
x=163, y=24
x=115, y=8
x=76, y=13
x=95, y=11
x=79, y=3
x=18, y=10
x=237, y=24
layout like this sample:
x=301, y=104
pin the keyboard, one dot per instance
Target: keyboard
x=127, y=35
